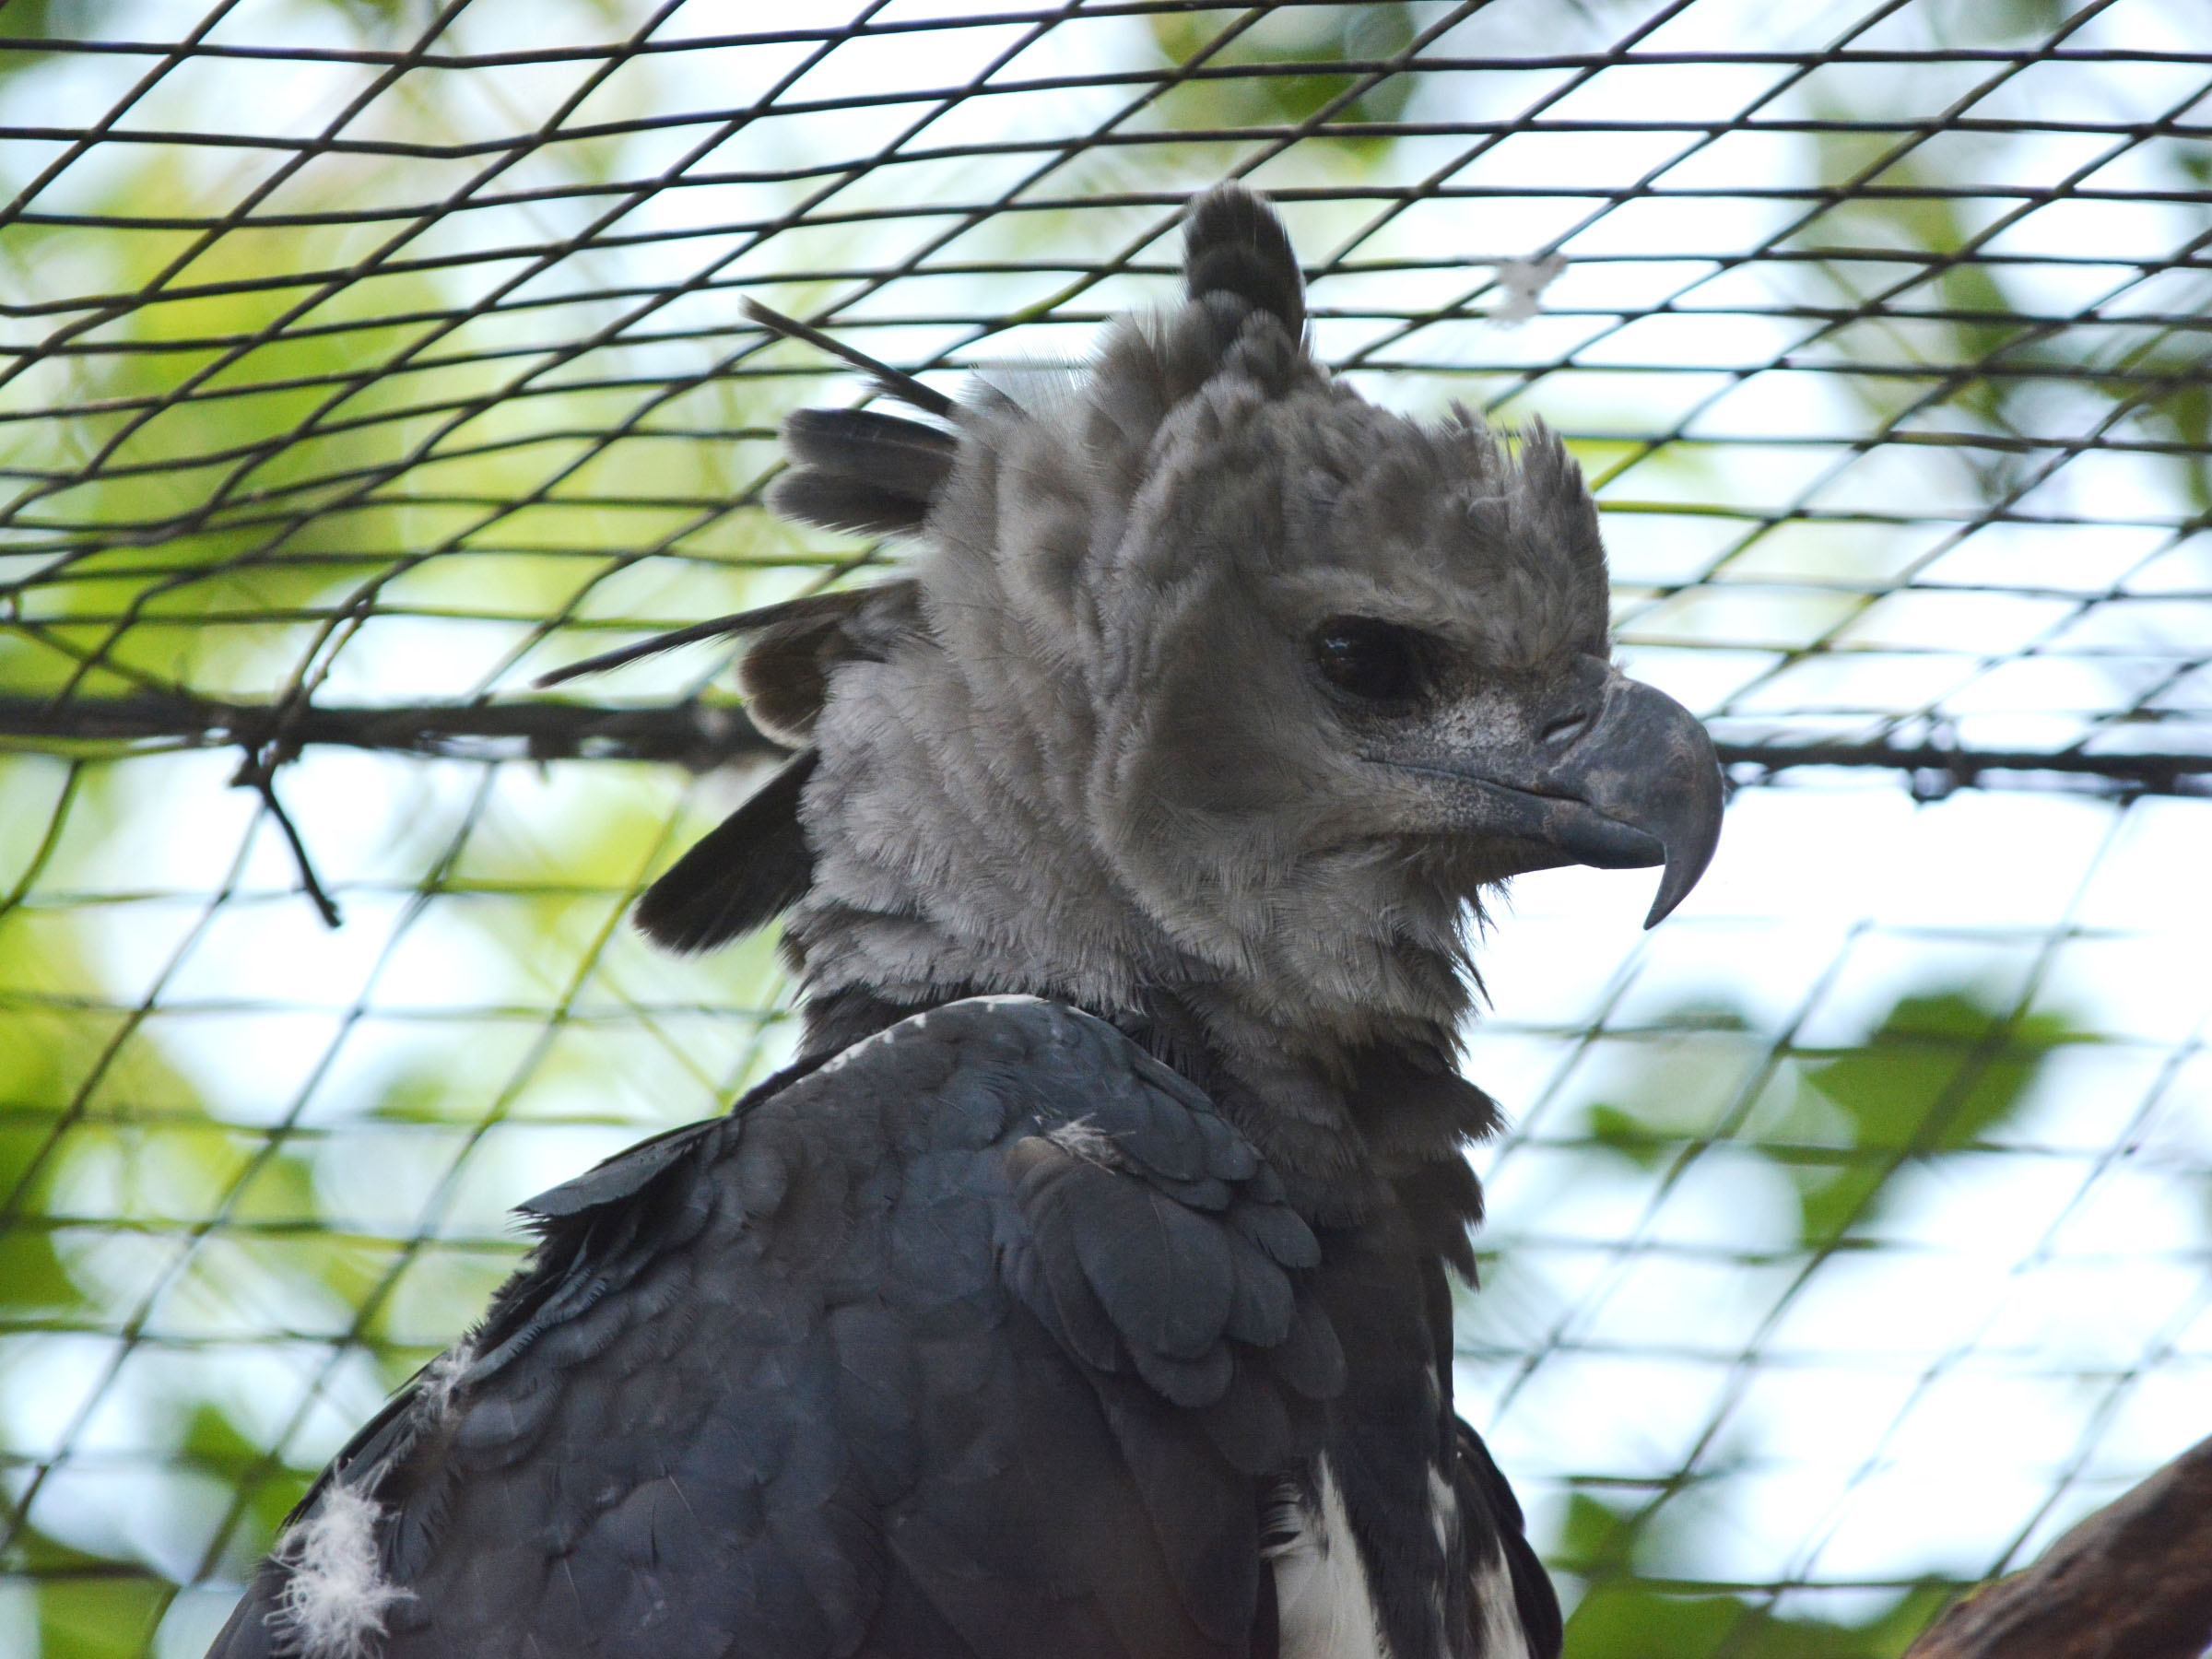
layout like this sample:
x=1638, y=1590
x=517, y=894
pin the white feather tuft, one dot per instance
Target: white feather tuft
x=335, y=1597
x=1497, y=1613
x=1079, y=1137
x=1325, y=1608
x=441, y=1377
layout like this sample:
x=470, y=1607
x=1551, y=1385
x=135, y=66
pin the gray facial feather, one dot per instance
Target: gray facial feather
x=1103, y=761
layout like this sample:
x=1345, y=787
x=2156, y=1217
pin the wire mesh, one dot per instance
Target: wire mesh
x=363, y=361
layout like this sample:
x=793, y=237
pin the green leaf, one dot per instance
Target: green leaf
x=213, y=1442
x=1940, y=1074
x=1620, y=1616
x=1287, y=36
x=88, y=1606
x=1632, y=1136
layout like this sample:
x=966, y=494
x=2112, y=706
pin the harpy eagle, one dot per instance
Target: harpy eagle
x=1083, y=1288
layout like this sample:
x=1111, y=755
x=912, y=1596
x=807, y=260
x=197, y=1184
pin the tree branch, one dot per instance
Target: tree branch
x=2151, y=771
x=2131, y=1581
x=695, y=734
x=702, y=734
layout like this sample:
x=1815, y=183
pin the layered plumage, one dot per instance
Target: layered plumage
x=1085, y=1287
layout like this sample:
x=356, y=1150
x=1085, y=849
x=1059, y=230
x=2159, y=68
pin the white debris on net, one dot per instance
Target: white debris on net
x=1524, y=282
x=335, y=1596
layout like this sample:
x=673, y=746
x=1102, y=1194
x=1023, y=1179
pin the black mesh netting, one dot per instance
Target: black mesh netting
x=361, y=362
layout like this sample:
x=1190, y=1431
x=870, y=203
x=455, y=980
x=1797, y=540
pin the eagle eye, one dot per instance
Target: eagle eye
x=1372, y=660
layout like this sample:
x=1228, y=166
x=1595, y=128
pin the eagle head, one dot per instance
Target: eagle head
x=1211, y=679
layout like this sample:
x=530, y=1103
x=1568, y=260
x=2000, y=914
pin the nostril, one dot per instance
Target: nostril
x=1564, y=728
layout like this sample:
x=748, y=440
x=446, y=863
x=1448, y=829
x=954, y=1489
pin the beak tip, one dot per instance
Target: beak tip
x=1696, y=835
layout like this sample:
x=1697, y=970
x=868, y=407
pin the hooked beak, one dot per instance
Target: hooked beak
x=1611, y=773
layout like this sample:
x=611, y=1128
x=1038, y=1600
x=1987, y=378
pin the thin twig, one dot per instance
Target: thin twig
x=258, y=774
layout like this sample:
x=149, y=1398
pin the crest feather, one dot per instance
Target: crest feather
x=1234, y=243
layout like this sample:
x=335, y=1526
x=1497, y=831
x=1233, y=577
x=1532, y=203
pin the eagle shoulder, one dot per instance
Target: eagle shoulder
x=983, y=1338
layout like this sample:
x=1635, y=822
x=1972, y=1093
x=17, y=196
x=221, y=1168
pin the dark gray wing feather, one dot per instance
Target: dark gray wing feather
x=861, y=470
x=919, y=1355
x=1494, y=1529
x=739, y=876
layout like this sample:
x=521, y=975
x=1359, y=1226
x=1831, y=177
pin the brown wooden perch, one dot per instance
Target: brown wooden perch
x=2131, y=1581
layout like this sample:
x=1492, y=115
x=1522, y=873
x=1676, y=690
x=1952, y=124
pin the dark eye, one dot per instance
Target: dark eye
x=1377, y=661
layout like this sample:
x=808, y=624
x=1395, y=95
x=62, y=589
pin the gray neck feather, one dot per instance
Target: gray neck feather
x=1030, y=789
x=958, y=849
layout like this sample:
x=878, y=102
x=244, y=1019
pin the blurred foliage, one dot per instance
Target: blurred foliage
x=1280, y=40
x=107, y=1159
x=1995, y=22
x=2145, y=382
x=1624, y=1616
x=88, y=1606
x=27, y=20
x=1942, y=1071
x=238, y=607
